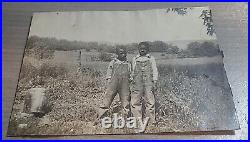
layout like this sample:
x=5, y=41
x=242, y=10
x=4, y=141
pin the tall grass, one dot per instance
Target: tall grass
x=188, y=97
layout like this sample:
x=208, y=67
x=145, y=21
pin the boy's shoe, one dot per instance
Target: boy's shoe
x=96, y=122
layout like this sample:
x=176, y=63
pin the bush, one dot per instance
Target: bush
x=28, y=71
x=106, y=57
x=39, y=53
x=52, y=70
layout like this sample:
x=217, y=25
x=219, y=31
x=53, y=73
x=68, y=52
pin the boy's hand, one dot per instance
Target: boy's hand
x=131, y=80
x=108, y=81
x=155, y=85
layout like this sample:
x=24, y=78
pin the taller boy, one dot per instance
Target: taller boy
x=145, y=76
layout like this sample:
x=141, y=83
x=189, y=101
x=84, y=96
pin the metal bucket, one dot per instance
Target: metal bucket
x=36, y=101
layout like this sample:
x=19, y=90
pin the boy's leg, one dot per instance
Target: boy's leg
x=136, y=99
x=124, y=94
x=108, y=98
x=149, y=99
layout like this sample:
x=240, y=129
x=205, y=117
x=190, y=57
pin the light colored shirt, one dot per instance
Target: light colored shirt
x=111, y=69
x=145, y=58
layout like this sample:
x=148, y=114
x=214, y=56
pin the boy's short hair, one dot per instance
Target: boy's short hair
x=118, y=47
x=146, y=44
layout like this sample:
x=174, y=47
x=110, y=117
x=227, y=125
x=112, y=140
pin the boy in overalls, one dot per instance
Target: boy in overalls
x=118, y=75
x=145, y=75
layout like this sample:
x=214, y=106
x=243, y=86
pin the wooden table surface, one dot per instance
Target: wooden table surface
x=230, y=21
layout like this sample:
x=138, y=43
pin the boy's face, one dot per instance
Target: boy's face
x=122, y=54
x=143, y=50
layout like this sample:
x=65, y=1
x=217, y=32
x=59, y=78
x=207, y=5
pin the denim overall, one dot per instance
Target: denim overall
x=119, y=83
x=142, y=91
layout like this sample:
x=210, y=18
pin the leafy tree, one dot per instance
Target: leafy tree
x=206, y=15
x=158, y=46
x=206, y=48
x=180, y=11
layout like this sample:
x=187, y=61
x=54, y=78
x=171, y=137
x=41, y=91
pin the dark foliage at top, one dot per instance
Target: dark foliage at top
x=194, y=49
x=206, y=15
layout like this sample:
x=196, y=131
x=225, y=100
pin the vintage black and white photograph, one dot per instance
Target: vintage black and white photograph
x=122, y=72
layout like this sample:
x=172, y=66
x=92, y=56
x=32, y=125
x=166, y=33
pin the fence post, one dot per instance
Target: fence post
x=79, y=59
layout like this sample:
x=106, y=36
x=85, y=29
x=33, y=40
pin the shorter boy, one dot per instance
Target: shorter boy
x=117, y=77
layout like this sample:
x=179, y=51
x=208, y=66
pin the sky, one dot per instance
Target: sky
x=120, y=26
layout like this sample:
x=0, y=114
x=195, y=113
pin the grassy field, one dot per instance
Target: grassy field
x=192, y=95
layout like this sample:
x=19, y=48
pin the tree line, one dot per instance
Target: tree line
x=194, y=49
